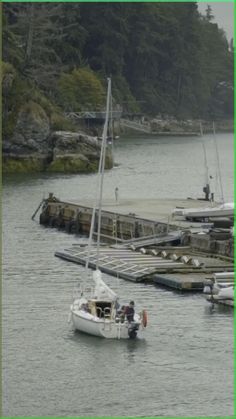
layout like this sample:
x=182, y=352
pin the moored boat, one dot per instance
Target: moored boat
x=220, y=289
x=223, y=210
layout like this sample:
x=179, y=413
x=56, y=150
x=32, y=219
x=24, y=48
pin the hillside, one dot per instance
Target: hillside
x=164, y=59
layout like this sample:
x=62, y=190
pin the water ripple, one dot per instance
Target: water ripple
x=182, y=366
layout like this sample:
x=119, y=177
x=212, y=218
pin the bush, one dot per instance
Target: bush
x=80, y=90
x=59, y=123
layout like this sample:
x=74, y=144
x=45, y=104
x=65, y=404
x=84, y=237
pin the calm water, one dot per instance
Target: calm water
x=184, y=364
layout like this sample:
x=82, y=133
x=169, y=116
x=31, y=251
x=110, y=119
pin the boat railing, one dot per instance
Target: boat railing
x=107, y=312
x=99, y=312
x=103, y=313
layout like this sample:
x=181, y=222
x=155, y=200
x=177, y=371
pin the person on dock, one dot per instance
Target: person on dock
x=117, y=194
x=129, y=312
x=211, y=183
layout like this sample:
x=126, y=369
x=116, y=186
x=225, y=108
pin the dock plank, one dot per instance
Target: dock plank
x=181, y=282
x=134, y=266
x=114, y=263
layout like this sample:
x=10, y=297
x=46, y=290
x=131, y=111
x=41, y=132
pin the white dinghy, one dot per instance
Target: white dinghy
x=220, y=288
x=95, y=310
x=215, y=211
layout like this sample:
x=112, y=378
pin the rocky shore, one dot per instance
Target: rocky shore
x=172, y=125
x=35, y=147
x=35, y=144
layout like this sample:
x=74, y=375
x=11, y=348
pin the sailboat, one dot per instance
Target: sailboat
x=96, y=310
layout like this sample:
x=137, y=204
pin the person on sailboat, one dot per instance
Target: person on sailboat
x=85, y=307
x=121, y=314
x=129, y=312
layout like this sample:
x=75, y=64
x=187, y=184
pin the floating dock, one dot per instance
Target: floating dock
x=185, y=273
x=189, y=281
x=145, y=245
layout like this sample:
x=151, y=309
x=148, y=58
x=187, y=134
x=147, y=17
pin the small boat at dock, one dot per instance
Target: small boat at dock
x=217, y=211
x=220, y=288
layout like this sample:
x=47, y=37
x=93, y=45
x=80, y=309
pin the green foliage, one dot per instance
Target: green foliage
x=59, y=123
x=12, y=52
x=77, y=164
x=67, y=164
x=123, y=96
x=36, y=111
x=80, y=90
x=18, y=94
x=7, y=70
x=27, y=165
x=14, y=95
x=163, y=57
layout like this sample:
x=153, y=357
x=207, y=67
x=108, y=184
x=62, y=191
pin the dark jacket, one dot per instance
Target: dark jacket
x=129, y=312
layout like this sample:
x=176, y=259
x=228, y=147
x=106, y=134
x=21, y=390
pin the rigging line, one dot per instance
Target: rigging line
x=112, y=130
x=101, y=175
x=218, y=163
x=111, y=122
x=93, y=213
x=103, y=155
x=98, y=192
x=89, y=246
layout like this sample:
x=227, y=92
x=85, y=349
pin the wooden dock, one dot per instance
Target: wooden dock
x=147, y=245
x=162, y=239
x=117, y=262
x=185, y=273
x=125, y=220
x=189, y=281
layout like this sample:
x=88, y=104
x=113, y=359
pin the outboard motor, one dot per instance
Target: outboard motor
x=132, y=330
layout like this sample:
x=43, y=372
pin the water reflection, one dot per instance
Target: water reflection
x=214, y=309
x=80, y=337
x=135, y=349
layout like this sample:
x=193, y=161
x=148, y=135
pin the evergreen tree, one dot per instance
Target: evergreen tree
x=163, y=57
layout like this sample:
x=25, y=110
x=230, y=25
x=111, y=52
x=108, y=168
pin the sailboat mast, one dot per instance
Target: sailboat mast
x=218, y=163
x=205, y=156
x=98, y=199
x=111, y=131
x=101, y=174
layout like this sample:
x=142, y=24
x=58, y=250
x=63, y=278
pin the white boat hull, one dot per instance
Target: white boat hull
x=104, y=328
x=226, y=293
x=225, y=210
x=220, y=289
x=209, y=213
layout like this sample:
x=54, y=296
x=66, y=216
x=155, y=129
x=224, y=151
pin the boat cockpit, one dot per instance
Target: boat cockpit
x=101, y=309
